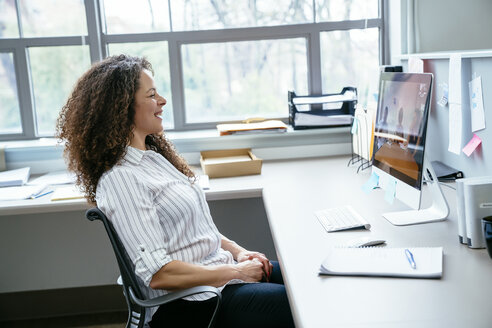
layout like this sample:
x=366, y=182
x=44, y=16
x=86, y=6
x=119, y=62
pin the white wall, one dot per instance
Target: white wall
x=444, y=25
x=421, y=26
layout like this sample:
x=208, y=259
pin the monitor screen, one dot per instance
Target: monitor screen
x=400, y=127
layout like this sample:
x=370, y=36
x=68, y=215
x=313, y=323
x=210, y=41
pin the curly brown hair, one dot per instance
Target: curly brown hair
x=97, y=122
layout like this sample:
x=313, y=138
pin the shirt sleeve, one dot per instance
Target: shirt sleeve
x=129, y=205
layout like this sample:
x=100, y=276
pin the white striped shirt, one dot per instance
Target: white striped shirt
x=160, y=216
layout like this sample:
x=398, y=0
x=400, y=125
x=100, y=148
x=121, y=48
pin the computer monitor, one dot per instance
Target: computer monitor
x=399, y=146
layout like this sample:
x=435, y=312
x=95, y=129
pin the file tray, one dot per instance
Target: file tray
x=335, y=109
x=229, y=163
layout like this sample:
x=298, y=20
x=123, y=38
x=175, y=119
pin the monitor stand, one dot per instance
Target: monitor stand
x=438, y=211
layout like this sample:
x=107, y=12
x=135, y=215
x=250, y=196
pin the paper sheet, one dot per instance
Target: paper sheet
x=204, y=181
x=354, y=126
x=67, y=192
x=472, y=145
x=476, y=104
x=19, y=193
x=227, y=159
x=372, y=183
x=390, y=193
x=455, y=79
x=455, y=116
x=443, y=101
x=455, y=127
x=415, y=65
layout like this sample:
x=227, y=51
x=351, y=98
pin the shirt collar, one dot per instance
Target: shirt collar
x=133, y=155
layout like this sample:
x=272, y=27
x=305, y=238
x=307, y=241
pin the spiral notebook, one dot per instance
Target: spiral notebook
x=384, y=261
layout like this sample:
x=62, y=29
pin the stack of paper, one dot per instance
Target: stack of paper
x=54, y=178
x=65, y=193
x=16, y=177
x=271, y=126
x=22, y=192
x=309, y=119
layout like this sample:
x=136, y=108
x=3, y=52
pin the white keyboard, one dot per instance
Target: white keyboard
x=341, y=218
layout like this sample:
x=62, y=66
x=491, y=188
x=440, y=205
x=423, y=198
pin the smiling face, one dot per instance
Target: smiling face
x=148, y=110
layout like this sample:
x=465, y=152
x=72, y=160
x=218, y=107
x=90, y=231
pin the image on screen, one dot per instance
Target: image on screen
x=400, y=127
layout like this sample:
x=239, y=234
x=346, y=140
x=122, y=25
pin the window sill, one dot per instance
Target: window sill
x=45, y=154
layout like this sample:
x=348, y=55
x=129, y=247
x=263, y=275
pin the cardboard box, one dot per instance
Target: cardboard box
x=229, y=163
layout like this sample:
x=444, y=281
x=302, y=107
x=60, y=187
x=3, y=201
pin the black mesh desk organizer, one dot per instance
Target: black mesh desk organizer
x=320, y=111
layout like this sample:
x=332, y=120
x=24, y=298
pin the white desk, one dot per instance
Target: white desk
x=292, y=191
x=295, y=189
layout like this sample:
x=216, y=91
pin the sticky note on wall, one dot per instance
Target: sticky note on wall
x=472, y=145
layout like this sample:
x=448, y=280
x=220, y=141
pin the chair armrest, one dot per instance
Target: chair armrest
x=174, y=296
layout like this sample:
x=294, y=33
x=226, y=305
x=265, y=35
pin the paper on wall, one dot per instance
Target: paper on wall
x=445, y=94
x=455, y=127
x=455, y=117
x=455, y=79
x=476, y=104
x=415, y=65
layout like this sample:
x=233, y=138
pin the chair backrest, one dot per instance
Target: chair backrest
x=127, y=269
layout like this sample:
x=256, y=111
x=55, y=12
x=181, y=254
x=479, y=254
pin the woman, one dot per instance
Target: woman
x=112, y=128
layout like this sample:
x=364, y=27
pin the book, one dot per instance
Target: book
x=17, y=177
x=384, y=261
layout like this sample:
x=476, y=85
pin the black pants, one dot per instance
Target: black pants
x=243, y=305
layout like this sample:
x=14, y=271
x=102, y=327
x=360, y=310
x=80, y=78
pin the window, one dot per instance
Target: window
x=157, y=54
x=136, y=16
x=8, y=20
x=54, y=71
x=214, y=60
x=349, y=58
x=10, y=112
x=43, y=18
x=233, y=80
x=221, y=14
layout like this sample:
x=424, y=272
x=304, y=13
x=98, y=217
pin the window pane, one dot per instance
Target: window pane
x=54, y=71
x=53, y=18
x=350, y=58
x=8, y=20
x=239, y=80
x=339, y=10
x=136, y=16
x=158, y=55
x=10, y=121
x=206, y=14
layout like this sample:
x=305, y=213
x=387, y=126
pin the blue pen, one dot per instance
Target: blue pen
x=410, y=258
x=46, y=193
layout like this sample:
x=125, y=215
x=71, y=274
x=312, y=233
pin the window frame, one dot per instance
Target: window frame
x=97, y=40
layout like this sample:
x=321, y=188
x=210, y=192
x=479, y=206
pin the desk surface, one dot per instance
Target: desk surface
x=222, y=189
x=295, y=189
x=292, y=191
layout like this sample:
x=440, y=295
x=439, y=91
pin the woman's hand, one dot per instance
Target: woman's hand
x=248, y=256
x=250, y=270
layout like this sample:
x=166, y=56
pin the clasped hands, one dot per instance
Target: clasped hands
x=257, y=265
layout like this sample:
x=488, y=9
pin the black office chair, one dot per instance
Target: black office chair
x=137, y=304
